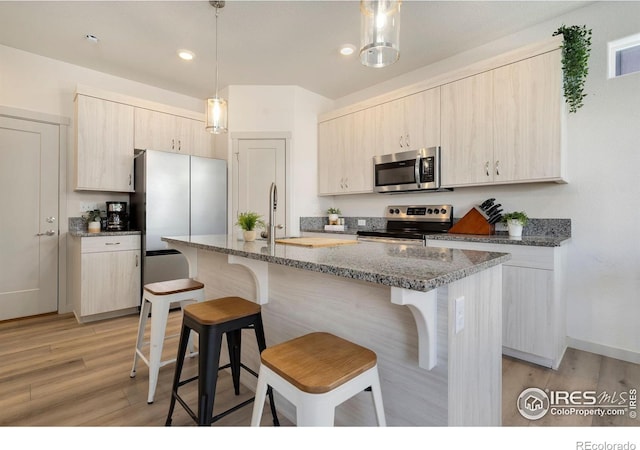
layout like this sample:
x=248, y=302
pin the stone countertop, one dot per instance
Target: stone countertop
x=534, y=241
x=405, y=266
x=78, y=233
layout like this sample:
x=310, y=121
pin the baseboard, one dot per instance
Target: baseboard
x=604, y=350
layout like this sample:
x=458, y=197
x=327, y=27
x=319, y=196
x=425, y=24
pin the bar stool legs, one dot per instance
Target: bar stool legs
x=211, y=320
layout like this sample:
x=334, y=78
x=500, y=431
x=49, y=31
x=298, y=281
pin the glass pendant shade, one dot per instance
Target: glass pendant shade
x=216, y=115
x=380, y=32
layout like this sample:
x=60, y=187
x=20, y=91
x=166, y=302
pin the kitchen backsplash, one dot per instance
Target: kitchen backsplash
x=535, y=227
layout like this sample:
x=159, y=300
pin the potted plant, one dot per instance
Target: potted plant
x=333, y=215
x=515, y=221
x=575, y=63
x=248, y=221
x=92, y=218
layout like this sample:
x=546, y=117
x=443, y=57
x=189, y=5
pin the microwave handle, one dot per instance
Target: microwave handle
x=417, y=168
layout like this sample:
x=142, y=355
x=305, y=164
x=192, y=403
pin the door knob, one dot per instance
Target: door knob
x=47, y=233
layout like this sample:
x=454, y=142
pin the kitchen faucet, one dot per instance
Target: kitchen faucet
x=273, y=206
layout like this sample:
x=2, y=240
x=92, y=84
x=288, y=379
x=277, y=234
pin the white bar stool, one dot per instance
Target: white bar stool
x=316, y=372
x=157, y=299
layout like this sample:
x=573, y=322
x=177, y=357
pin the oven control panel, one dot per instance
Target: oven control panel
x=430, y=213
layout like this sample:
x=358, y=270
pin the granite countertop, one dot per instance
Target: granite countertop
x=534, y=241
x=80, y=233
x=405, y=266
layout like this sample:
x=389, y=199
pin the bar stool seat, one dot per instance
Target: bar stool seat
x=157, y=299
x=316, y=372
x=211, y=319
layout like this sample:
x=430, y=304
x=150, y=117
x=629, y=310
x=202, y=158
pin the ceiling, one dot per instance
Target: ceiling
x=260, y=42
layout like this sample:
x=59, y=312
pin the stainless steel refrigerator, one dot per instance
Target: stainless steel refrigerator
x=175, y=195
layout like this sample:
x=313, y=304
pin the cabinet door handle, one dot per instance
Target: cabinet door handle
x=130, y=180
x=136, y=260
x=179, y=145
x=401, y=141
x=498, y=167
x=486, y=168
x=112, y=243
x=173, y=144
x=47, y=233
x=346, y=183
x=341, y=183
x=406, y=141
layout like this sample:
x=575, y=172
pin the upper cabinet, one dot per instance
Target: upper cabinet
x=155, y=130
x=409, y=123
x=504, y=125
x=345, y=153
x=529, y=105
x=467, y=131
x=104, y=145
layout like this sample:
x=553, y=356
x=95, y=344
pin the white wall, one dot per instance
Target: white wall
x=284, y=109
x=44, y=85
x=602, y=197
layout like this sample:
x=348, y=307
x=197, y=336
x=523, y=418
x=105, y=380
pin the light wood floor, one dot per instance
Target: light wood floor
x=56, y=372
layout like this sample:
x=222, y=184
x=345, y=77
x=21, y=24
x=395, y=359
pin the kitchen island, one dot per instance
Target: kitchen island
x=432, y=315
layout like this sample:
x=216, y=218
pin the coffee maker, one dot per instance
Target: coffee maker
x=117, y=216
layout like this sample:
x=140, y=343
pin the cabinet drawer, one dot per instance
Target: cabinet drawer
x=521, y=255
x=110, y=243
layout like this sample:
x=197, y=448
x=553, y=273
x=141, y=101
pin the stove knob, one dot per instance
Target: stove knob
x=429, y=211
x=436, y=211
x=397, y=211
x=443, y=211
x=391, y=211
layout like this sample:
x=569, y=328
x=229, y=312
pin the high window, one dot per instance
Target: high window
x=624, y=56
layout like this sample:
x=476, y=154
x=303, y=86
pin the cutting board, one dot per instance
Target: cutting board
x=315, y=242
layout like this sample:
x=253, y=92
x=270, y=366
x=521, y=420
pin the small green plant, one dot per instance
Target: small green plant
x=92, y=216
x=520, y=216
x=334, y=211
x=575, y=63
x=250, y=220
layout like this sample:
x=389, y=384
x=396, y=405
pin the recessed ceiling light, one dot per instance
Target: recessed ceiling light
x=347, y=49
x=186, y=55
x=92, y=38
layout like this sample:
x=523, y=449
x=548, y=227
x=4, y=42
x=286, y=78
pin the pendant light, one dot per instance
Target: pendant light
x=216, y=107
x=380, y=32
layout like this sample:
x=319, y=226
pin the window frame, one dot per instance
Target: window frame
x=614, y=47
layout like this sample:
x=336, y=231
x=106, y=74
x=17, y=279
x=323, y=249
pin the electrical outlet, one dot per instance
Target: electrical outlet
x=362, y=223
x=87, y=206
x=459, y=314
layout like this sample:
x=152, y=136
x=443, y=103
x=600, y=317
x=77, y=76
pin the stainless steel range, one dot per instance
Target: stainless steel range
x=409, y=224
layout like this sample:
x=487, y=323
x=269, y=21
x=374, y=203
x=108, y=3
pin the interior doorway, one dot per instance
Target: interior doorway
x=29, y=224
x=258, y=163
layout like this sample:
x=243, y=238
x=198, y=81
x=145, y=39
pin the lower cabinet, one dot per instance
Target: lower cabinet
x=533, y=300
x=105, y=275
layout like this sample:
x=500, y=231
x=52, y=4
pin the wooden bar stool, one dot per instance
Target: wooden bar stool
x=212, y=319
x=157, y=299
x=316, y=372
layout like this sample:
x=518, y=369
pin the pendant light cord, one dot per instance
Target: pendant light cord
x=217, y=11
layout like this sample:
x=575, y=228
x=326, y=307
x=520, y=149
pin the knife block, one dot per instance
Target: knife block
x=473, y=222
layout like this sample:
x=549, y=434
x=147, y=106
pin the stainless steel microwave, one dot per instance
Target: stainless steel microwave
x=416, y=170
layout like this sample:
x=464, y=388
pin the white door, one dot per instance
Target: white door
x=28, y=218
x=261, y=162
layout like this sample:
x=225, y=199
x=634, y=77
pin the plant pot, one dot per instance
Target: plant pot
x=515, y=228
x=333, y=219
x=249, y=235
x=93, y=227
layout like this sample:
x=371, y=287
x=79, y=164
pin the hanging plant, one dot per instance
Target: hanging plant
x=575, y=58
